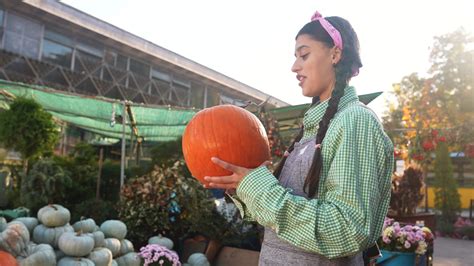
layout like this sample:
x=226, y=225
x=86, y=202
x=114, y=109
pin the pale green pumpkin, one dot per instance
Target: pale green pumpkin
x=42, y=254
x=130, y=259
x=47, y=235
x=101, y=256
x=198, y=259
x=162, y=241
x=3, y=224
x=29, y=222
x=85, y=225
x=54, y=215
x=113, y=244
x=76, y=244
x=15, y=238
x=98, y=238
x=114, y=229
x=114, y=263
x=125, y=247
x=70, y=261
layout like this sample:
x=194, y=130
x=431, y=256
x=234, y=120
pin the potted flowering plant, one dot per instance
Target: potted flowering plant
x=154, y=255
x=404, y=244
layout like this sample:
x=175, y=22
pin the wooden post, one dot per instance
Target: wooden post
x=101, y=159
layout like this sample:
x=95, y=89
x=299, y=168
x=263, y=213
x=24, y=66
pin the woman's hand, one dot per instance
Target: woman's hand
x=229, y=182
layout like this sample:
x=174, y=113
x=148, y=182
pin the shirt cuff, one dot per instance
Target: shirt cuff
x=244, y=214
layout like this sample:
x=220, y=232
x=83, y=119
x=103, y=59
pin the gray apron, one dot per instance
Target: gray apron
x=276, y=251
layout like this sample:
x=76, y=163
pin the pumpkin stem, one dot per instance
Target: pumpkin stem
x=52, y=206
x=79, y=232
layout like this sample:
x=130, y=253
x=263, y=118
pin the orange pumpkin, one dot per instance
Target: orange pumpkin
x=228, y=132
x=6, y=259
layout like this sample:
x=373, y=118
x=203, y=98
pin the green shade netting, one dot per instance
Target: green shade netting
x=154, y=123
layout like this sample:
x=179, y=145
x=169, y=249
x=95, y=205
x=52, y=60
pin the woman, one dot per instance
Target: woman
x=326, y=201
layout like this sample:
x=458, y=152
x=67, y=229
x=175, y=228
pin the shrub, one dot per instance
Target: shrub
x=167, y=202
x=407, y=191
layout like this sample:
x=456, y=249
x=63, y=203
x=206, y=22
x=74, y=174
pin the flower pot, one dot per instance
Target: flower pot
x=394, y=258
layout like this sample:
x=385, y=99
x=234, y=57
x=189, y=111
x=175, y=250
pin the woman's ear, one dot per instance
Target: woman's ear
x=336, y=55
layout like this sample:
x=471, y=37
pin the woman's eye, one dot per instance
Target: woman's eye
x=305, y=56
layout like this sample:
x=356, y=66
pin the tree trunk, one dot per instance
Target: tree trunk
x=101, y=158
x=23, y=181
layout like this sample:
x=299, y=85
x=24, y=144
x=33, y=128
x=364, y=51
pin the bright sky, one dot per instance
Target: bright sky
x=253, y=40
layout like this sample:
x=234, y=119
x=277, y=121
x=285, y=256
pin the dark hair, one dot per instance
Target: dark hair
x=349, y=62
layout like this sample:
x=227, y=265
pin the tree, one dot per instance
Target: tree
x=437, y=107
x=447, y=198
x=27, y=128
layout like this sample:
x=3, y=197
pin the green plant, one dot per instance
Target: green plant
x=163, y=202
x=99, y=210
x=406, y=191
x=110, y=181
x=447, y=198
x=46, y=182
x=165, y=154
x=82, y=163
x=28, y=128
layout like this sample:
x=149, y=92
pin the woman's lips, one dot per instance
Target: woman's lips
x=301, y=78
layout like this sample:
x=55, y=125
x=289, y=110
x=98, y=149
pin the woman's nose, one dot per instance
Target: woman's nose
x=296, y=66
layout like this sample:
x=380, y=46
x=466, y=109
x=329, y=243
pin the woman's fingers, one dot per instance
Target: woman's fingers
x=226, y=165
x=221, y=179
x=221, y=186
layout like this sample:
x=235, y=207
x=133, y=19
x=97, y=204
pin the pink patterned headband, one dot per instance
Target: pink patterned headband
x=333, y=32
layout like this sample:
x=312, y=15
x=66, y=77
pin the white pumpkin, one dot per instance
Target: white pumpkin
x=3, y=224
x=42, y=254
x=76, y=244
x=114, y=263
x=125, y=247
x=113, y=244
x=114, y=229
x=47, y=235
x=162, y=241
x=86, y=225
x=70, y=261
x=198, y=259
x=14, y=239
x=130, y=259
x=101, y=256
x=98, y=238
x=29, y=222
x=54, y=215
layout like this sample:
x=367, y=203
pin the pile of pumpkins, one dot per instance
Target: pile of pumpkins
x=55, y=242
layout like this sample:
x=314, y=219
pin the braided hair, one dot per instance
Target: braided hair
x=348, y=64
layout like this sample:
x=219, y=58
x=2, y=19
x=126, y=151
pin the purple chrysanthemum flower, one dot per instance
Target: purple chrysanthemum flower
x=155, y=253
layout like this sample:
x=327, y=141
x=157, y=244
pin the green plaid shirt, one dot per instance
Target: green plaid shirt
x=354, y=188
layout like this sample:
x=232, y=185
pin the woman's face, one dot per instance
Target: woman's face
x=314, y=67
